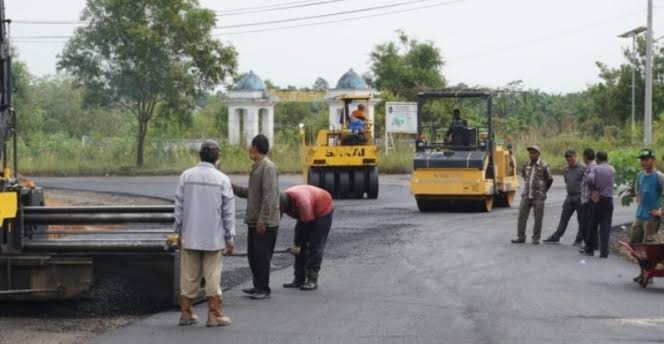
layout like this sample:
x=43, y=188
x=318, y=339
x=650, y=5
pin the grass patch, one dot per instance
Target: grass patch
x=61, y=156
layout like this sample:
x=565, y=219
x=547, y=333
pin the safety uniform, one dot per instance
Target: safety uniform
x=538, y=180
x=573, y=181
x=601, y=179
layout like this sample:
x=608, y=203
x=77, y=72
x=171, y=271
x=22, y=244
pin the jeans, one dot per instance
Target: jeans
x=311, y=238
x=260, y=248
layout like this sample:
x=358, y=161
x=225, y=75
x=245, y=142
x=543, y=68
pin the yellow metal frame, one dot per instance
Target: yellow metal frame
x=327, y=151
x=8, y=206
x=467, y=181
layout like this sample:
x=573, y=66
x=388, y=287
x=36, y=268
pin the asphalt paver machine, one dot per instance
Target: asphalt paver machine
x=462, y=169
x=43, y=256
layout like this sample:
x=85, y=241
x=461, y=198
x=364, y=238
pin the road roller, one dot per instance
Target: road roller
x=461, y=167
x=343, y=159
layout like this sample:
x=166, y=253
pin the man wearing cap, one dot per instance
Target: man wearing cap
x=312, y=207
x=601, y=180
x=573, y=174
x=205, y=221
x=648, y=188
x=538, y=181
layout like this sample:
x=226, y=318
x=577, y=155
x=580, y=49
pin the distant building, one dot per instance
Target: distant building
x=250, y=110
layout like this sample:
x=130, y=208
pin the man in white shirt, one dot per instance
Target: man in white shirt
x=205, y=220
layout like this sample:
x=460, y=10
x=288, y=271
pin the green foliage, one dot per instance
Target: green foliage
x=627, y=169
x=320, y=85
x=147, y=55
x=406, y=67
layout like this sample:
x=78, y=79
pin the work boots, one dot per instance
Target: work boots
x=187, y=317
x=216, y=315
x=297, y=283
x=312, y=281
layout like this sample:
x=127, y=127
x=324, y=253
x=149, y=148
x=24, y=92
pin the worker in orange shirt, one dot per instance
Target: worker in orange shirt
x=358, y=114
x=312, y=207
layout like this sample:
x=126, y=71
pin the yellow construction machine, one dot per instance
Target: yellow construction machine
x=343, y=158
x=461, y=170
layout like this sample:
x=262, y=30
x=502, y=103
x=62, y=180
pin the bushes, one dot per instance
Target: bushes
x=58, y=154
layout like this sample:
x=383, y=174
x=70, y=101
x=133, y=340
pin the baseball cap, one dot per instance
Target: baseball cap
x=646, y=153
x=534, y=148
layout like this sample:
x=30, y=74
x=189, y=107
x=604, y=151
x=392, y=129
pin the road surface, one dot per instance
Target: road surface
x=394, y=275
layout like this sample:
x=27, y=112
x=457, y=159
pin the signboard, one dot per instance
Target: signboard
x=401, y=117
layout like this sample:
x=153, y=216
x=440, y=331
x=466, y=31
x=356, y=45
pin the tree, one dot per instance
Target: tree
x=147, y=56
x=28, y=114
x=406, y=67
x=320, y=85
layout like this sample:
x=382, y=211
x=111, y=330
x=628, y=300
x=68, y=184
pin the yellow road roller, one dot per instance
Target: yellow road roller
x=343, y=158
x=461, y=168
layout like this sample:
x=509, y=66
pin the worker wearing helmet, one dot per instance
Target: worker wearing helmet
x=312, y=207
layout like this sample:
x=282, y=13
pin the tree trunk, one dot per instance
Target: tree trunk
x=142, y=131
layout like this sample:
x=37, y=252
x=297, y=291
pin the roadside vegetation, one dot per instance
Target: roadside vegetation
x=73, y=124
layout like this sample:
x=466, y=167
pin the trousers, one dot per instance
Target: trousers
x=311, y=238
x=571, y=205
x=644, y=231
x=196, y=265
x=260, y=248
x=600, y=225
x=524, y=213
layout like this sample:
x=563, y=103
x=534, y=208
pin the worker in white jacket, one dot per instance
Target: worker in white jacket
x=205, y=220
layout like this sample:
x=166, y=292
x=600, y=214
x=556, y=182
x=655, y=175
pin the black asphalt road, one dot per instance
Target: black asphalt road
x=394, y=275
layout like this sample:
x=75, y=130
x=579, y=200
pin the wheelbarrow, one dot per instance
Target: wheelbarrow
x=649, y=256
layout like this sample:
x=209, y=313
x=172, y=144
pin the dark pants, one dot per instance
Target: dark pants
x=600, y=220
x=311, y=237
x=260, y=248
x=586, y=217
x=571, y=205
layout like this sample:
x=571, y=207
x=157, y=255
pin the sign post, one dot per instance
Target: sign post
x=400, y=118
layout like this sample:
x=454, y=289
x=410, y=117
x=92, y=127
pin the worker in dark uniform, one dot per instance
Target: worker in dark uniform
x=573, y=174
x=601, y=180
x=455, y=133
x=586, y=204
x=312, y=207
x=538, y=181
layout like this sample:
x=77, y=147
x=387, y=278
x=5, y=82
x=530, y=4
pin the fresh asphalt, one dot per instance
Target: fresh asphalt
x=394, y=275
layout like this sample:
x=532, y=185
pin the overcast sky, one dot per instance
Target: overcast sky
x=550, y=45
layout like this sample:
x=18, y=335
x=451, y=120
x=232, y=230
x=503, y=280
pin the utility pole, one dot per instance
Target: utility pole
x=647, y=120
x=633, y=33
x=631, y=134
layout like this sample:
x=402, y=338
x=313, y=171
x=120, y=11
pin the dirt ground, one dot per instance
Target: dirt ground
x=26, y=325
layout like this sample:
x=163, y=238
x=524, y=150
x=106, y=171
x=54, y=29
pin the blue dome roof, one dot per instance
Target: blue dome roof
x=352, y=81
x=250, y=82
